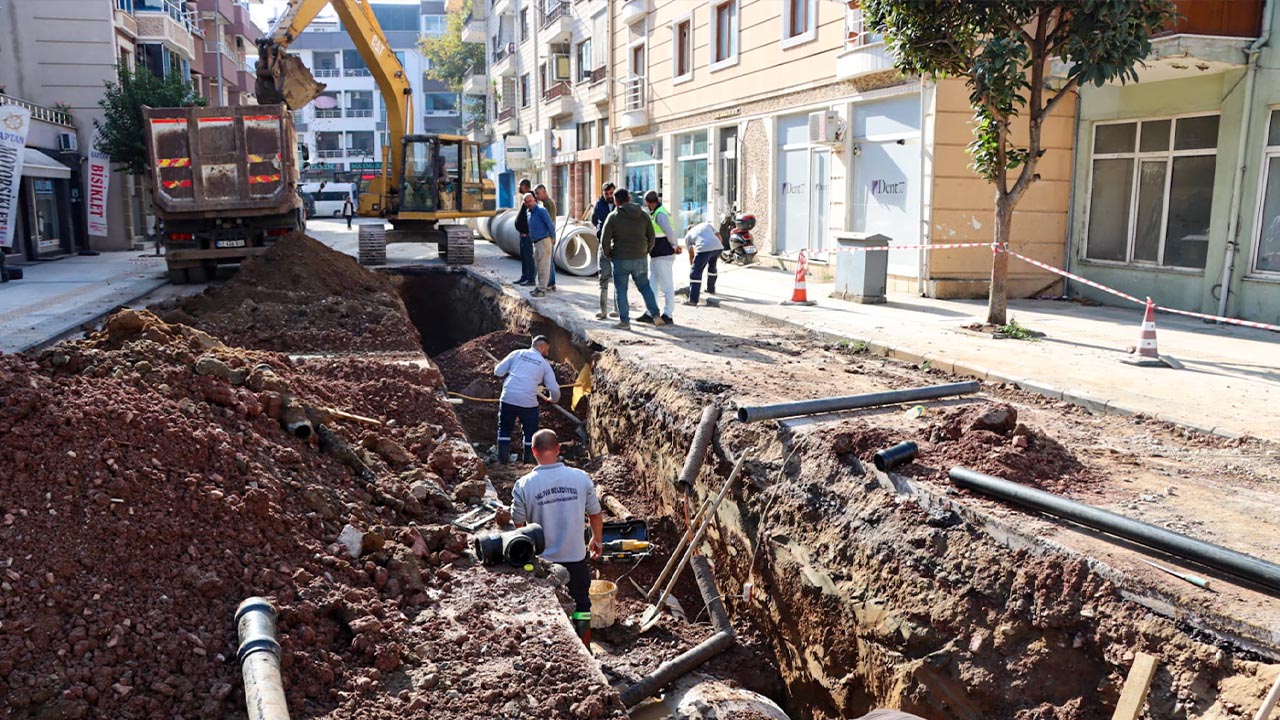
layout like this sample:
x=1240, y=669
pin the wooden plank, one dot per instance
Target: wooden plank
x=1134, y=695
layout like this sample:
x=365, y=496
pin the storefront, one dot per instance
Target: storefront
x=45, y=229
x=691, y=180
x=886, y=177
x=803, y=186
x=642, y=167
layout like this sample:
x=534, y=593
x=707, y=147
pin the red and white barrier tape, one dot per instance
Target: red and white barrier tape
x=877, y=248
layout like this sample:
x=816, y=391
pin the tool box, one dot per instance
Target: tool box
x=626, y=540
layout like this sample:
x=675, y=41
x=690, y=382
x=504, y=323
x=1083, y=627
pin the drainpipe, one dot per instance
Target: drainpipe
x=926, y=223
x=1071, y=206
x=259, y=655
x=1237, y=183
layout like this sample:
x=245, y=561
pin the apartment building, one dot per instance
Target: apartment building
x=1178, y=175
x=548, y=88
x=345, y=129
x=226, y=52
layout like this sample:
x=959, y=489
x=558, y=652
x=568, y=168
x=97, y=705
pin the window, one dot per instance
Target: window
x=637, y=66
x=396, y=17
x=586, y=134
x=724, y=41
x=728, y=179
x=524, y=90
x=353, y=65
x=682, y=50
x=691, y=177
x=584, y=60
x=642, y=167
x=440, y=103
x=799, y=22
x=1267, y=251
x=1151, y=193
x=524, y=24
x=433, y=24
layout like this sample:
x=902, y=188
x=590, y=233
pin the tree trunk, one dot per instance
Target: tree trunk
x=998, y=298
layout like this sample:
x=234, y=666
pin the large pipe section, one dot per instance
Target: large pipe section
x=259, y=656
x=502, y=230
x=1207, y=554
x=692, y=465
x=576, y=250
x=850, y=402
x=682, y=664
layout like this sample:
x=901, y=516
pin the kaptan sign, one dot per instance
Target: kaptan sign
x=99, y=183
x=14, y=123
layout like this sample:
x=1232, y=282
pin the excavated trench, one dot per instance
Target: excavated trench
x=862, y=598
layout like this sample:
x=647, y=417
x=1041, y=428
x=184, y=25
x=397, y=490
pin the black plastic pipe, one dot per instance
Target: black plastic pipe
x=518, y=547
x=850, y=402
x=900, y=454
x=681, y=665
x=1207, y=554
x=259, y=656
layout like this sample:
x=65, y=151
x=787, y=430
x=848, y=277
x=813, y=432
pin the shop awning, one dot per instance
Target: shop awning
x=37, y=164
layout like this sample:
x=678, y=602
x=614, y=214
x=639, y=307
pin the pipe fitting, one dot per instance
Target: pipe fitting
x=259, y=657
x=293, y=418
x=517, y=547
x=898, y=455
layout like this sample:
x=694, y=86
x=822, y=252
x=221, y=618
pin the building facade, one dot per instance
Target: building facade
x=226, y=53
x=345, y=129
x=1178, y=190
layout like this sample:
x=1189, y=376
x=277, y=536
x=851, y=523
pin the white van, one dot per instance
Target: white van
x=329, y=199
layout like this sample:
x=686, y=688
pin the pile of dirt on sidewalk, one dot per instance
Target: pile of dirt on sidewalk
x=301, y=296
x=149, y=486
x=468, y=370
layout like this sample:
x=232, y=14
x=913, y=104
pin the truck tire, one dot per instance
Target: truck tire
x=178, y=276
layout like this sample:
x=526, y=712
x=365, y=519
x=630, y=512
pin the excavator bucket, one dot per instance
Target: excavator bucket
x=283, y=78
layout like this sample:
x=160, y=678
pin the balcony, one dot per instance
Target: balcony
x=356, y=72
x=328, y=113
x=635, y=112
x=359, y=112
x=168, y=23
x=633, y=11
x=506, y=123
x=1220, y=18
x=598, y=87
x=557, y=22
x=864, y=53
x=1209, y=36
x=475, y=84
x=331, y=154
x=503, y=61
x=40, y=112
x=500, y=7
x=558, y=99
x=473, y=30
x=126, y=23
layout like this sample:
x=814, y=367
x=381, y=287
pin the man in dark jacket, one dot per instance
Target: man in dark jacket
x=626, y=240
x=528, y=270
x=604, y=206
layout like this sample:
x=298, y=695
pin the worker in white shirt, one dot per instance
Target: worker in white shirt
x=524, y=370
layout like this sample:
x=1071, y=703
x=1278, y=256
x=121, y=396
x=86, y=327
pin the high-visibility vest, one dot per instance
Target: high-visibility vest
x=657, y=229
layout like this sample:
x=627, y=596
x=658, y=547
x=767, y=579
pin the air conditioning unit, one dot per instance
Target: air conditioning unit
x=560, y=67
x=824, y=127
x=608, y=154
x=67, y=142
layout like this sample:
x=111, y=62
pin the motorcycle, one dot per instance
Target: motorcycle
x=740, y=249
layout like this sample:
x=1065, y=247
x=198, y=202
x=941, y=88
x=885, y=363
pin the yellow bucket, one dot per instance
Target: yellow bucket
x=604, y=595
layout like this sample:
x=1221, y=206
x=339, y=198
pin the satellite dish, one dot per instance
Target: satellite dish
x=325, y=102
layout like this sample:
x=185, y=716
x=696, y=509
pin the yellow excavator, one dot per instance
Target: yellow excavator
x=426, y=180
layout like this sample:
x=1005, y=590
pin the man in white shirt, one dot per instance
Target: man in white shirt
x=704, y=246
x=524, y=370
x=561, y=499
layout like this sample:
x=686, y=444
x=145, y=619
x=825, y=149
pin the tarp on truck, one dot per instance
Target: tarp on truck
x=209, y=160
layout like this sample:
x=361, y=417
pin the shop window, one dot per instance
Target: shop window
x=1151, y=193
x=1267, y=250
x=799, y=22
x=728, y=155
x=724, y=40
x=682, y=50
x=642, y=167
x=691, y=178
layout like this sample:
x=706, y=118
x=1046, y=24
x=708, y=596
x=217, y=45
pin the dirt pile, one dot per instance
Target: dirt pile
x=301, y=296
x=468, y=370
x=149, y=486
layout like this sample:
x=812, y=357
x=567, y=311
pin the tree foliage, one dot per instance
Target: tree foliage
x=122, y=131
x=452, y=60
x=1018, y=58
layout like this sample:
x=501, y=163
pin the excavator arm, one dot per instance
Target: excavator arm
x=283, y=78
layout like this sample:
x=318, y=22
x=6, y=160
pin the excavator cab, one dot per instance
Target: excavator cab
x=442, y=176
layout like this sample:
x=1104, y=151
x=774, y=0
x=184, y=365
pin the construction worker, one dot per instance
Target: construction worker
x=604, y=206
x=704, y=246
x=662, y=258
x=523, y=370
x=558, y=497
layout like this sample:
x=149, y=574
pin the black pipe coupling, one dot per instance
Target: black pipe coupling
x=896, y=456
x=256, y=627
x=517, y=547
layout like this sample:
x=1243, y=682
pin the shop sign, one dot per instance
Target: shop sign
x=14, y=123
x=99, y=183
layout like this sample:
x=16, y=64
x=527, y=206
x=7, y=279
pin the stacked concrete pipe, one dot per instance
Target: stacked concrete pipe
x=576, y=250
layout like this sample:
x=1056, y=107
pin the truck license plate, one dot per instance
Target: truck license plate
x=228, y=243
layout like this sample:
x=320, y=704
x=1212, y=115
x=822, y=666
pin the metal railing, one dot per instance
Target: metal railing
x=331, y=153
x=39, y=112
x=554, y=11
x=501, y=51
x=359, y=113
x=357, y=72
x=326, y=72
x=186, y=18
x=633, y=92
x=328, y=113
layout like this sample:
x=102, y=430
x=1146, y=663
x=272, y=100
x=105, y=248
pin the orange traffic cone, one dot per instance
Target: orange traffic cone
x=1145, y=354
x=798, y=295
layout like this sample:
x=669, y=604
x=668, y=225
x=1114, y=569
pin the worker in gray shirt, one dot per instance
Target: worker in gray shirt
x=560, y=498
x=524, y=370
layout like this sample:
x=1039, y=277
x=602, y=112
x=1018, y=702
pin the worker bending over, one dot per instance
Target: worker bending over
x=524, y=370
x=559, y=498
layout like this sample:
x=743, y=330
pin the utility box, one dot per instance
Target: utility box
x=861, y=276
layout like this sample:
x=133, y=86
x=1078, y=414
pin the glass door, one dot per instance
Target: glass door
x=820, y=197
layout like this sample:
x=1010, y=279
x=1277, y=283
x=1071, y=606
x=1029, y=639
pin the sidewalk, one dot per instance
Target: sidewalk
x=58, y=297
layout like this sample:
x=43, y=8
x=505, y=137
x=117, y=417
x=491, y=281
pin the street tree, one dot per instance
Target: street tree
x=1005, y=51
x=121, y=132
x=451, y=60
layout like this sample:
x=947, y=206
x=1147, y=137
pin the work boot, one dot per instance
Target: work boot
x=646, y=319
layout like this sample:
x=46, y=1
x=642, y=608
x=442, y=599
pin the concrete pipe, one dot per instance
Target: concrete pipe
x=503, y=231
x=577, y=251
x=481, y=225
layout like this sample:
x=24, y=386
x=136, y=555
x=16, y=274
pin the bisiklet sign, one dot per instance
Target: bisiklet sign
x=14, y=122
x=99, y=182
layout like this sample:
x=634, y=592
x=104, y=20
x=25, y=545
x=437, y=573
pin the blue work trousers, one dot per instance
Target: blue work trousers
x=507, y=416
x=703, y=261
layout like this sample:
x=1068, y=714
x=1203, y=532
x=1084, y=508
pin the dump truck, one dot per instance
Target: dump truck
x=224, y=180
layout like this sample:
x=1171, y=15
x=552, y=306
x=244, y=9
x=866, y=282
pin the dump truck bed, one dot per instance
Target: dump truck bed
x=218, y=161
